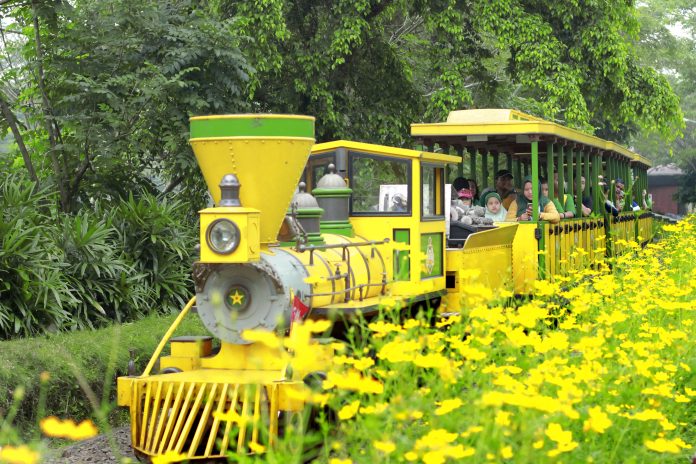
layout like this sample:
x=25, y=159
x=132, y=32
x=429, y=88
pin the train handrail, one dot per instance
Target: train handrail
x=167, y=336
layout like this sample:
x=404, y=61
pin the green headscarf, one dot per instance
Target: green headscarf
x=500, y=216
x=522, y=201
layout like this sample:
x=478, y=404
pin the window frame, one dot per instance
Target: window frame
x=306, y=172
x=352, y=155
x=441, y=170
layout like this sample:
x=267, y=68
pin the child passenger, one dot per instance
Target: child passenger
x=494, y=207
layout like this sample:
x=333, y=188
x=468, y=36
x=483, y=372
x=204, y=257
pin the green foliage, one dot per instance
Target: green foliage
x=667, y=42
x=120, y=83
x=368, y=69
x=158, y=238
x=33, y=291
x=59, y=271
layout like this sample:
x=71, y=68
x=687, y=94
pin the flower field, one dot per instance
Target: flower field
x=598, y=367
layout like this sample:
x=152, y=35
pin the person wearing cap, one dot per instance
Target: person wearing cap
x=466, y=197
x=503, y=187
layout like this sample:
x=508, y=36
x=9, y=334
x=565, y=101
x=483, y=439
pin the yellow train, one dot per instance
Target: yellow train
x=374, y=233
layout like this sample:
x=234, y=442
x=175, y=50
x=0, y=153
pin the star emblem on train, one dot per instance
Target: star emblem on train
x=237, y=298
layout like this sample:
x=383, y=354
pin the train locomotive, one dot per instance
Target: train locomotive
x=373, y=235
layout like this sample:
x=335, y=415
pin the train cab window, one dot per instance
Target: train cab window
x=432, y=192
x=381, y=186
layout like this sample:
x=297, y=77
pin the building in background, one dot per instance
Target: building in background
x=663, y=183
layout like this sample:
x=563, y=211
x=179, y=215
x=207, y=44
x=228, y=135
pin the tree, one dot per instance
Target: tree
x=667, y=42
x=367, y=69
x=113, y=85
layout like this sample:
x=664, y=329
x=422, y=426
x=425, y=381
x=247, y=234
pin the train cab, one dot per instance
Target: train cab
x=392, y=193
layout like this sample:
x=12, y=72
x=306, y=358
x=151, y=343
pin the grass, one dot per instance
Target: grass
x=74, y=363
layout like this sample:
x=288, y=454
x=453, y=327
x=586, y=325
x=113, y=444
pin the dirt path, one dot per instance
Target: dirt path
x=96, y=450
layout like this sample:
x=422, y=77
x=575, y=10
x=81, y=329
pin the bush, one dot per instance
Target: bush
x=158, y=239
x=60, y=271
x=34, y=292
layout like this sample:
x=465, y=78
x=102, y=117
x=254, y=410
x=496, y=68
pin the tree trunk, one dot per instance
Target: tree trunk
x=12, y=122
x=51, y=126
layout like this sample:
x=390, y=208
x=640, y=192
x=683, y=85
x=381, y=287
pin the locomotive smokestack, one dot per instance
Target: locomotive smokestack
x=266, y=153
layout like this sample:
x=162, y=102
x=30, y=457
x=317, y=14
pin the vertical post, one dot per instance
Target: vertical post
x=495, y=162
x=580, y=156
x=569, y=175
x=509, y=161
x=484, y=167
x=460, y=166
x=594, y=183
x=561, y=174
x=588, y=179
x=518, y=171
x=472, y=165
x=549, y=168
x=525, y=167
x=535, y=180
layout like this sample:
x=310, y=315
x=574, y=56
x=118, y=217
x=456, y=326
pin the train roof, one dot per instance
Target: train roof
x=439, y=158
x=505, y=128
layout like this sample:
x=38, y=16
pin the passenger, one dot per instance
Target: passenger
x=608, y=204
x=587, y=203
x=567, y=209
x=647, y=200
x=521, y=208
x=620, y=193
x=466, y=198
x=504, y=187
x=494, y=207
x=473, y=186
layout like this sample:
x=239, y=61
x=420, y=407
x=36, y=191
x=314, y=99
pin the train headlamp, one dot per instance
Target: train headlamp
x=223, y=236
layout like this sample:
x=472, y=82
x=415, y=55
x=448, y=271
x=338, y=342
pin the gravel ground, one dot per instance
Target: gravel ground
x=96, y=450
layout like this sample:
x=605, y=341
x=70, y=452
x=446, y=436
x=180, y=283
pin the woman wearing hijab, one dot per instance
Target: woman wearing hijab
x=521, y=208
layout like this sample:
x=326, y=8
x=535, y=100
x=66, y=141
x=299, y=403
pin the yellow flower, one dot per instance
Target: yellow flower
x=411, y=456
x=340, y=461
x=54, y=427
x=436, y=437
x=562, y=448
x=556, y=433
x=399, y=351
x=349, y=410
x=598, y=420
x=387, y=447
x=447, y=406
x=662, y=445
x=18, y=455
x=506, y=452
x=471, y=430
x=502, y=418
x=256, y=447
x=352, y=380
